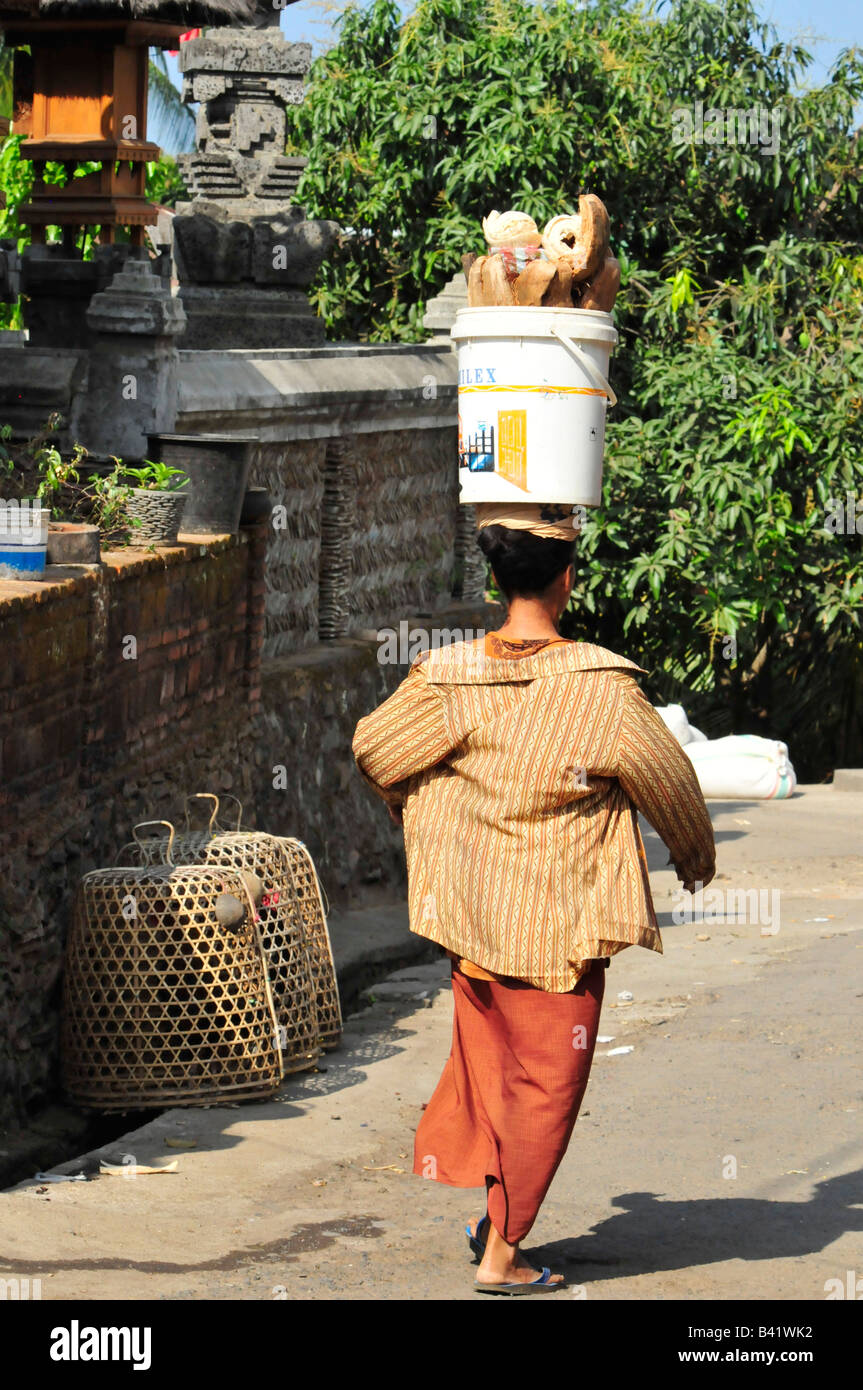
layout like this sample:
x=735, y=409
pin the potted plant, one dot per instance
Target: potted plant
x=83, y=507
x=156, y=504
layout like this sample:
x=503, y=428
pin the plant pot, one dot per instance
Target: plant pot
x=159, y=514
x=73, y=543
x=257, y=503
x=218, y=469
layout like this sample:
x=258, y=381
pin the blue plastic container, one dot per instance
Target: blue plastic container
x=23, y=540
x=22, y=561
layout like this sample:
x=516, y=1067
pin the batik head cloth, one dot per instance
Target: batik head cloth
x=547, y=519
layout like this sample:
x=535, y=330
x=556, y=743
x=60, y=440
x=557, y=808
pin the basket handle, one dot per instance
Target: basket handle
x=168, y=851
x=202, y=796
x=584, y=361
x=229, y=796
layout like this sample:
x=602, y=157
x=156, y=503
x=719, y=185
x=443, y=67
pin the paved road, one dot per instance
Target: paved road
x=721, y=1158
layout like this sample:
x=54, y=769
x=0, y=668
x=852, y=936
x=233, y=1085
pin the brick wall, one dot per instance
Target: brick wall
x=97, y=734
x=120, y=691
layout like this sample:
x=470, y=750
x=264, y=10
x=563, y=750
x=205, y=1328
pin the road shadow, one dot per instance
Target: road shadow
x=651, y=1235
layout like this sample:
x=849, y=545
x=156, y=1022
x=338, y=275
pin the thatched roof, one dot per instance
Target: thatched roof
x=191, y=12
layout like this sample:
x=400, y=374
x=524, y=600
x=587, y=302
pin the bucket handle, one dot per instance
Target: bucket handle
x=168, y=850
x=584, y=361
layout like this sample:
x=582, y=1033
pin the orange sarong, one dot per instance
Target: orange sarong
x=504, y=1109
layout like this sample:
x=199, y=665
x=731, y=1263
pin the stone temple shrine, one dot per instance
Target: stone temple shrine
x=244, y=252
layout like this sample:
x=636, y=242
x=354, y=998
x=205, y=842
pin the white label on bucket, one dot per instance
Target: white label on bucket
x=476, y=449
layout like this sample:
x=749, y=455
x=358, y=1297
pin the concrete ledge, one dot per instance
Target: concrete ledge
x=318, y=393
x=848, y=779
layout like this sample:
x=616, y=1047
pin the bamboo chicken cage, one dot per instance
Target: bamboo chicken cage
x=310, y=904
x=166, y=992
x=292, y=923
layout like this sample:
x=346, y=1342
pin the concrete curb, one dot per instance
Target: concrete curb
x=848, y=779
x=369, y=943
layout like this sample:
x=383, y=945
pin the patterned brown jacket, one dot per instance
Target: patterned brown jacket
x=520, y=782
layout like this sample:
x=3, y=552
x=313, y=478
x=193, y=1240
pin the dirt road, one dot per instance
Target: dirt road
x=720, y=1158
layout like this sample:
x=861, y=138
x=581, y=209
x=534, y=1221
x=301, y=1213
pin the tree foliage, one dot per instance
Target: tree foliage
x=739, y=366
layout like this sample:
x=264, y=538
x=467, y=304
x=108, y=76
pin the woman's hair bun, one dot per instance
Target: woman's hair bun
x=523, y=564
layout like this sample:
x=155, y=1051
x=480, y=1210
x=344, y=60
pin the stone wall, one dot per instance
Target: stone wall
x=293, y=474
x=401, y=552
x=358, y=450
x=201, y=668
x=384, y=535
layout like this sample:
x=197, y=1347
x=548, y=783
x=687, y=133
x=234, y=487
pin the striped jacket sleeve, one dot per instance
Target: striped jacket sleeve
x=660, y=780
x=404, y=736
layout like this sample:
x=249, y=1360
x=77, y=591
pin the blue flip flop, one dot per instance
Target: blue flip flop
x=541, y=1285
x=477, y=1241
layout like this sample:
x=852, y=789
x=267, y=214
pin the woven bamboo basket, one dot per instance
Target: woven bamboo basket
x=309, y=897
x=165, y=1004
x=299, y=958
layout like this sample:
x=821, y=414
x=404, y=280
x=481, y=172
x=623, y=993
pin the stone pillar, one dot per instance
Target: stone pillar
x=244, y=252
x=440, y=313
x=134, y=365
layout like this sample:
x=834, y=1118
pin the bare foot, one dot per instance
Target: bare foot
x=503, y=1263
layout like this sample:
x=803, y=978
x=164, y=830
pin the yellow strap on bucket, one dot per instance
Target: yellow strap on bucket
x=537, y=390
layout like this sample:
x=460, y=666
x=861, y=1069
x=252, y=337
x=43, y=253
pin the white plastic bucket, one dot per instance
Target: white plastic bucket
x=23, y=540
x=532, y=396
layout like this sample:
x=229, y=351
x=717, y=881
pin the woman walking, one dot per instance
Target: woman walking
x=517, y=765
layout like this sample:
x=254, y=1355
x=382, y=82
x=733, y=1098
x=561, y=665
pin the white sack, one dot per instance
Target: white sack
x=674, y=719
x=742, y=765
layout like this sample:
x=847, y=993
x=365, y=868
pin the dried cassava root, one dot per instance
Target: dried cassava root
x=511, y=229
x=602, y=290
x=534, y=280
x=488, y=283
x=568, y=265
x=582, y=240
